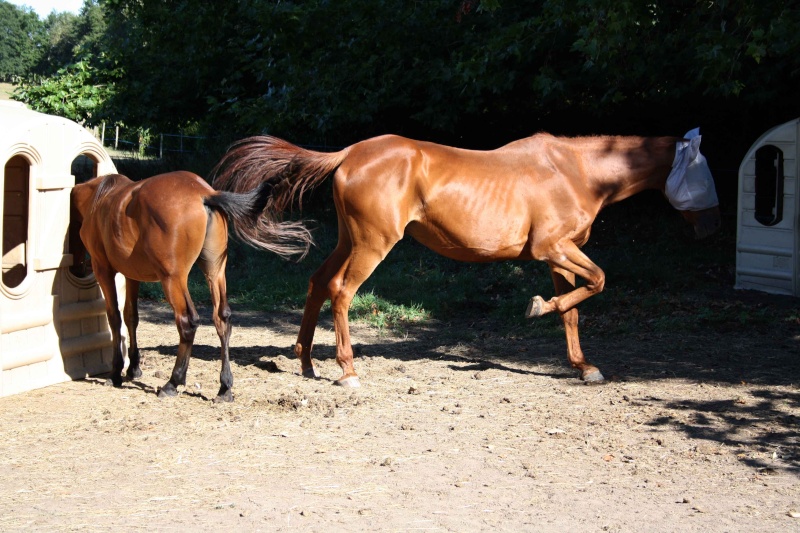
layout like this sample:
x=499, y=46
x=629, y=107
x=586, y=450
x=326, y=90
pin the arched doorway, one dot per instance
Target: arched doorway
x=16, y=210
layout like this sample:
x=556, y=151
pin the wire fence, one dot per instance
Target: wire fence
x=137, y=142
x=143, y=143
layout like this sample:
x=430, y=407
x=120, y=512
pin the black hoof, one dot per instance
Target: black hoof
x=224, y=397
x=311, y=373
x=133, y=373
x=115, y=381
x=167, y=391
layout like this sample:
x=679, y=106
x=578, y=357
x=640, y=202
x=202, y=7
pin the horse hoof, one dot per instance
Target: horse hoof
x=134, y=373
x=114, y=382
x=535, y=307
x=311, y=373
x=225, y=397
x=593, y=376
x=348, y=381
x=167, y=391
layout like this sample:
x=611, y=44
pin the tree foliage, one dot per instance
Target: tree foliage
x=71, y=37
x=74, y=92
x=469, y=72
x=321, y=70
x=21, y=36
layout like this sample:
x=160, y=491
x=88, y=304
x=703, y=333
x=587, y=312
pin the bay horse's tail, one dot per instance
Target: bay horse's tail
x=245, y=214
x=283, y=173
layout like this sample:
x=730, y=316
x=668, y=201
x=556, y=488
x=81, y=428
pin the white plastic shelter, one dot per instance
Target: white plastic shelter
x=768, y=232
x=53, y=326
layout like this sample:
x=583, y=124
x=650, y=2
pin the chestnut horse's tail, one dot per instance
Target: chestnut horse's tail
x=290, y=170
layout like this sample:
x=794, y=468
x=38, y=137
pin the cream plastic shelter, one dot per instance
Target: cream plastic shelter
x=52, y=314
x=768, y=236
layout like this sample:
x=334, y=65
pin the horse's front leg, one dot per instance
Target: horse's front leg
x=318, y=292
x=564, y=283
x=105, y=278
x=132, y=322
x=567, y=257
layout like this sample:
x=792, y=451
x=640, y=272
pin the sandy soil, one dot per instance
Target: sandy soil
x=454, y=429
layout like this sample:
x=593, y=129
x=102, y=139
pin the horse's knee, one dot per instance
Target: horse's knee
x=597, y=283
x=187, y=325
x=334, y=287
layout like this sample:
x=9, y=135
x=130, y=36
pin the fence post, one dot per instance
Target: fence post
x=103, y=135
x=116, y=138
x=161, y=146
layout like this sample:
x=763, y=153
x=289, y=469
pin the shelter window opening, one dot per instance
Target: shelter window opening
x=16, y=209
x=769, y=185
x=84, y=168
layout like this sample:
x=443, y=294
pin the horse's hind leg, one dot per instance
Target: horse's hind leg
x=359, y=266
x=105, y=277
x=318, y=292
x=212, y=263
x=132, y=322
x=186, y=319
x=564, y=282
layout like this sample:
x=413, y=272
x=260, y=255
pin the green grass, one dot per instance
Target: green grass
x=5, y=90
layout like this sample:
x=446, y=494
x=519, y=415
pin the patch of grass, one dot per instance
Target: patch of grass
x=6, y=89
x=381, y=313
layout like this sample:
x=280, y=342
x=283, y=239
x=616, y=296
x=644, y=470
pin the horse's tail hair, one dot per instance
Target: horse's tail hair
x=290, y=170
x=244, y=212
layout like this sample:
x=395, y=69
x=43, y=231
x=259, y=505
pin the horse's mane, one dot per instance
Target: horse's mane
x=106, y=185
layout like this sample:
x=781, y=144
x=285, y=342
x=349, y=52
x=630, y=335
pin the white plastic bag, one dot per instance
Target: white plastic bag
x=690, y=186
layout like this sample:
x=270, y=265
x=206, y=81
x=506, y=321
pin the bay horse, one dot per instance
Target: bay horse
x=155, y=230
x=535, y=198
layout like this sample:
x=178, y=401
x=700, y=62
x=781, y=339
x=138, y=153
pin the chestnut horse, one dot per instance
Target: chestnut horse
x=155, y=230
x=535, y=198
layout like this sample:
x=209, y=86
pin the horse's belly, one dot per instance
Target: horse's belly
x=136, y=270
x=473, y=243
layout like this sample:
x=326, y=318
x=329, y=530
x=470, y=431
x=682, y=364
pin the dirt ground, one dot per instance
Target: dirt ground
x=453, y=429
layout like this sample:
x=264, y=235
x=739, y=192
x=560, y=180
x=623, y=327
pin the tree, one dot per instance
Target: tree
x=74, y=92
x=70, y=37
x=21, y=36
x=472, y=71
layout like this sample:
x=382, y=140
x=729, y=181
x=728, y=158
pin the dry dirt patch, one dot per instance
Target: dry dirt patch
x=446, y=434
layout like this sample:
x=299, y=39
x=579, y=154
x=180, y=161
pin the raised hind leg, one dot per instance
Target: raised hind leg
x=105, y=278
x=564, y=283
x=212, y=263
x=186, y=319
x=318, y=292
x=131, y=313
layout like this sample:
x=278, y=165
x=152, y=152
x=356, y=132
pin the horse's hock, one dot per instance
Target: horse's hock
x=53, y=326
x=768, y=229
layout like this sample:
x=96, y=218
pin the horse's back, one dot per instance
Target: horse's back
x=465, y=204
x=154, y=226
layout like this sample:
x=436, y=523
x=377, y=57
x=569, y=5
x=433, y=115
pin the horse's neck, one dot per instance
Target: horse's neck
x=619, y=167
